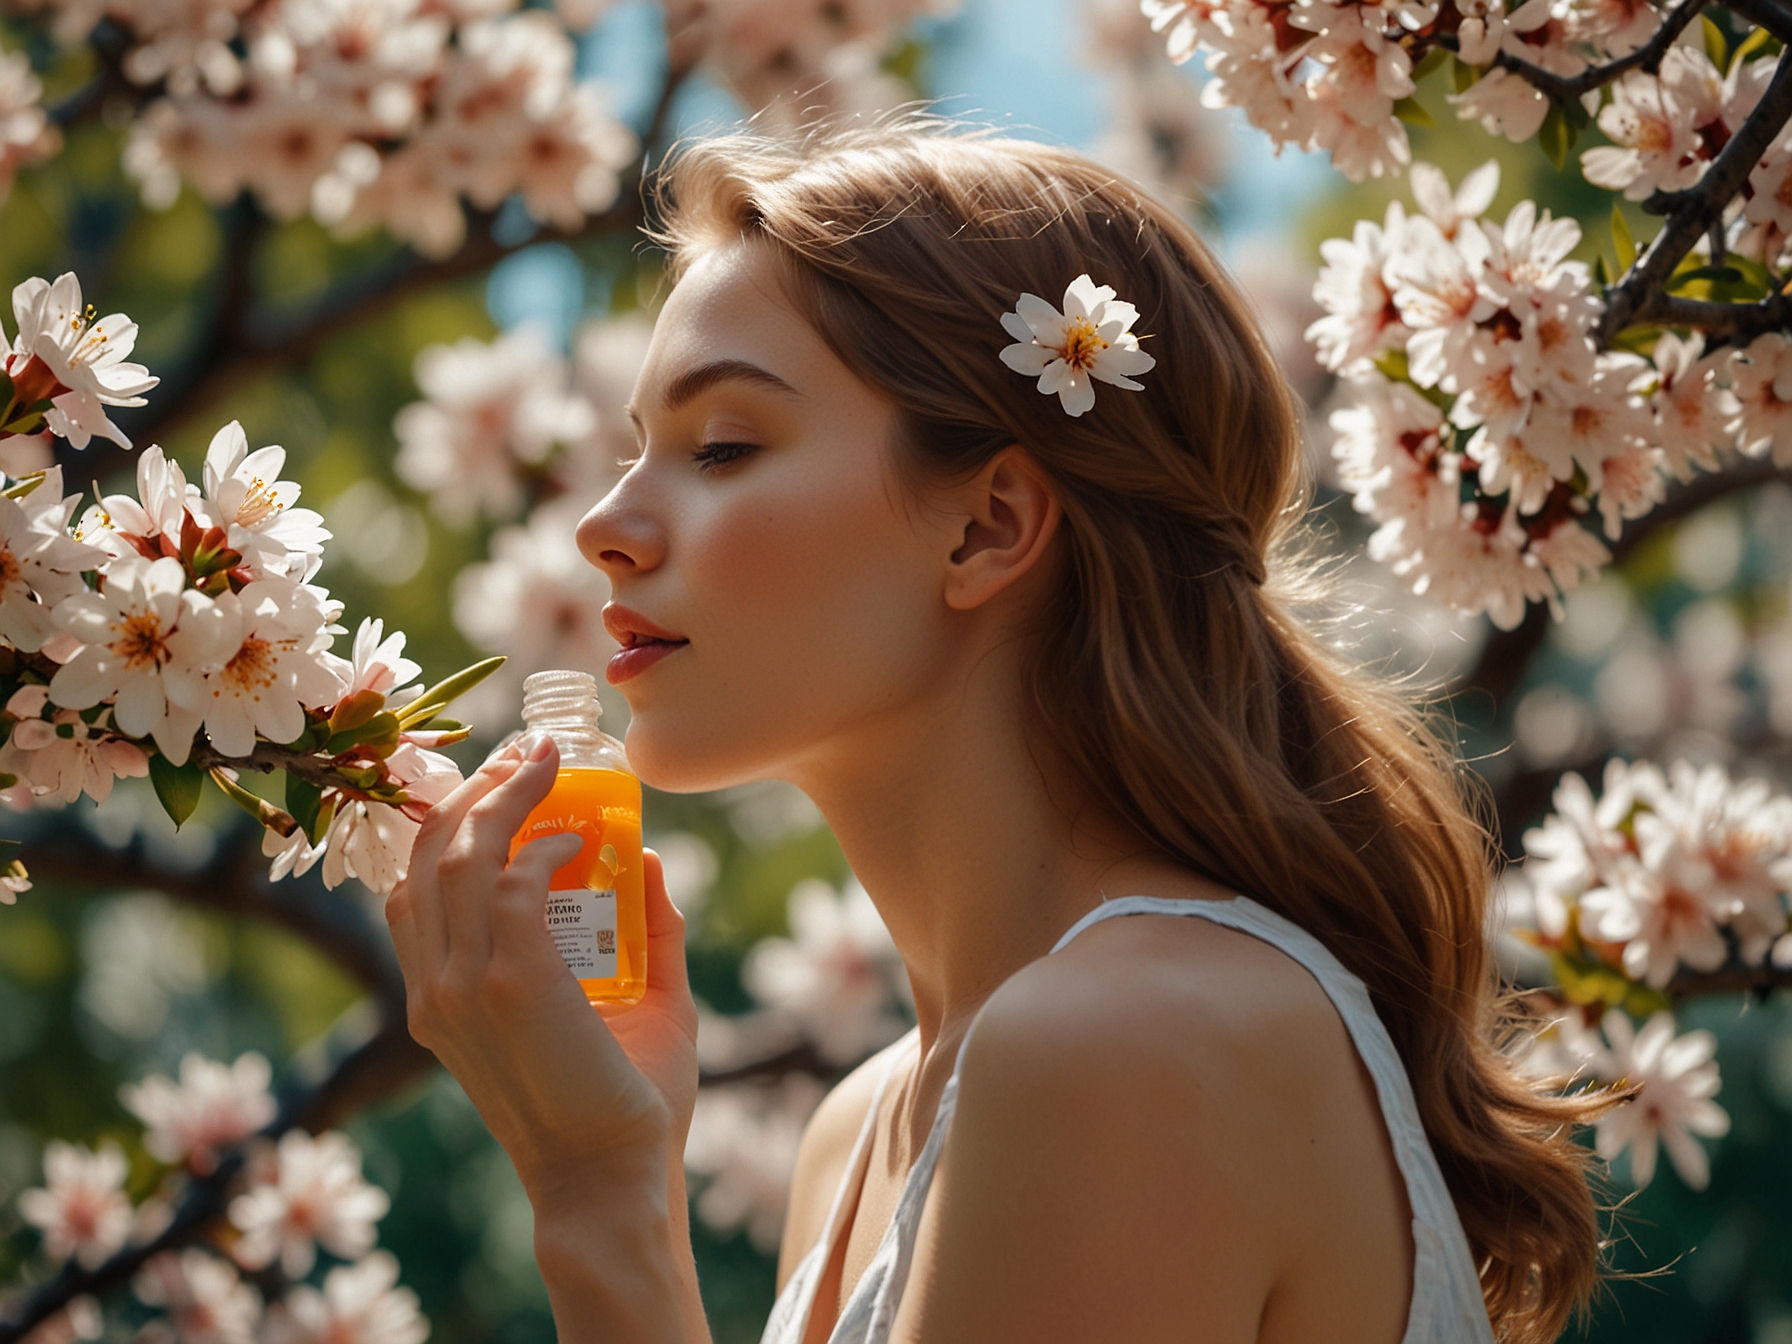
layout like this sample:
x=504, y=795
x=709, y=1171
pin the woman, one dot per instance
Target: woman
x=1011, y=629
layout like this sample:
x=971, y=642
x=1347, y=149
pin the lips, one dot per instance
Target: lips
x=643, y=642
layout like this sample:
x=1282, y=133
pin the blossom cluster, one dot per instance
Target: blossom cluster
x=365, y=112
x=1671, y=1077
x=1479, y=424
x=179, y=632
x=1667, y=126
x=299, y=1195
x=835, y=985
x=1339, y=75
x=1663, y=871
x=792, y=58
x=26, y=135
x=511, y=431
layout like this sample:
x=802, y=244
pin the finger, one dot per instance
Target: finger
x=403, y=925
x=444, y=819
x=474, y=858
x=667, y=973
x=492, y=822
x=518, y=907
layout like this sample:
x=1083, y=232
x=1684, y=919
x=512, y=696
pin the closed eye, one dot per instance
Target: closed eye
x=713, y=455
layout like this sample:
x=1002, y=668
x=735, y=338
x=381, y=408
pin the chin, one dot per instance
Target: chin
x=689, y=759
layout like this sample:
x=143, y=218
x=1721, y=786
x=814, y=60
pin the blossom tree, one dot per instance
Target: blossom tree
x=1515, y=407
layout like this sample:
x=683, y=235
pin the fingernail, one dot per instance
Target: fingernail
x=534, y=746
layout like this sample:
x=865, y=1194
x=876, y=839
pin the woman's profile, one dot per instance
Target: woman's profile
x=963, y=486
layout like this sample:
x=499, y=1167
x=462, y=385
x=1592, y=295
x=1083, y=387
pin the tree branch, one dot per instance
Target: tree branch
x=1565, y=88
x=1738, y=323
x=1769, y=14
x=1692, y=210
x=234, y=882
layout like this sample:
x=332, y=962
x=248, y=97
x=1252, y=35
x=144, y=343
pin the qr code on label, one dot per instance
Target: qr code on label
x=606, y=941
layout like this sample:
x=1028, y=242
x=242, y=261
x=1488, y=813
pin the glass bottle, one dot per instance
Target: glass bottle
x=596, y=909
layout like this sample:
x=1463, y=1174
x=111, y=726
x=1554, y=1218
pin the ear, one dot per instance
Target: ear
x=1010, y=517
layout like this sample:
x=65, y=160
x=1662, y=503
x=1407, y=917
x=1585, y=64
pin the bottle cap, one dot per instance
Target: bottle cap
x=557, y=693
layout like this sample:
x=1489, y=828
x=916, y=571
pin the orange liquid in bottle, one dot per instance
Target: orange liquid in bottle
x=597, y=904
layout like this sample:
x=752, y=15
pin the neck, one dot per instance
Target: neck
x=975, y=863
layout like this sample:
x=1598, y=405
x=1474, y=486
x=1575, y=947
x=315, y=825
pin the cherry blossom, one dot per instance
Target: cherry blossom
x=244, y=496
x=26, y=136
x=1761, y=384
x=315, y=1197
x=1654, y=122
x=66, y=756
x=205, y=1298
x=493, y=414
x=1692, y=414
x=1067, y=351
x=78, y=361
x=213, y=1106
x=837, y=976
x=743, y=1143
x=81, y=1209
x=1676, y=1078
x=276, y=634
x=149, y=641
x=39, y=564
x=537, y=600
x=1361, y=318
x=358, y=1304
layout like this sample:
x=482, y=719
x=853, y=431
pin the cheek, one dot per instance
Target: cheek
x=815, y=610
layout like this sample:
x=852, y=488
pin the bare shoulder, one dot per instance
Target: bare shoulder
x=822, y=1156
x=1163, y=999
x=1169, y=1104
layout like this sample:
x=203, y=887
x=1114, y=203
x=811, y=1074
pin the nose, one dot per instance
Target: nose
x=620, y=536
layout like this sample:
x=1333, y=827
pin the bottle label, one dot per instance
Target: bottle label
x=583, y=925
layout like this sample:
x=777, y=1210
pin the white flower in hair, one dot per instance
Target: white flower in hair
x=1067, y=350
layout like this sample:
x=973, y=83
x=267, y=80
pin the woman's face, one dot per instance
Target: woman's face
x=764, y=530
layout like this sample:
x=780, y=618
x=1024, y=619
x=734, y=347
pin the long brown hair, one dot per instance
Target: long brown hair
x=1184, y=687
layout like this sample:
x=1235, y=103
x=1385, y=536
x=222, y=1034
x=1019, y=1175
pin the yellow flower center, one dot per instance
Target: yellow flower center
x=258, y=504
x=141, y=642
x=1082, y=344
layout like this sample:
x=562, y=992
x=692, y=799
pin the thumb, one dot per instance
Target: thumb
x=666, y=970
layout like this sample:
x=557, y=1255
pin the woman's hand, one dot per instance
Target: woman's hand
x=574, y=1097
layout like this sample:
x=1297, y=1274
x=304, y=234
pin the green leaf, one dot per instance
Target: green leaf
x=1638, y=340
x=304, y=800
x=1622, y=240
x=1602, y=271
x=1752, y=45
x=1717, y=46
x=255, y=805
x=1431, y=60
x=177, y=787
x=443, y=693
x=1757, y=279
x=1463, y=76
x=1556, y=136
x=6, y=393
x=9, y=850
x=1413, y=113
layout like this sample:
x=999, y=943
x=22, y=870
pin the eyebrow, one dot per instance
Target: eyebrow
x=692, y=382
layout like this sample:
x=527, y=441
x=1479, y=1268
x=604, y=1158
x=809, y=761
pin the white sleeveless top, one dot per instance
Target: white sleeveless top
x=1447, y=1307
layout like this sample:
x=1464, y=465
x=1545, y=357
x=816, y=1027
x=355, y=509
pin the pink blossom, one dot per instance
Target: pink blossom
x=315, y=1197
x=82, y=1209
x=213, y=1106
